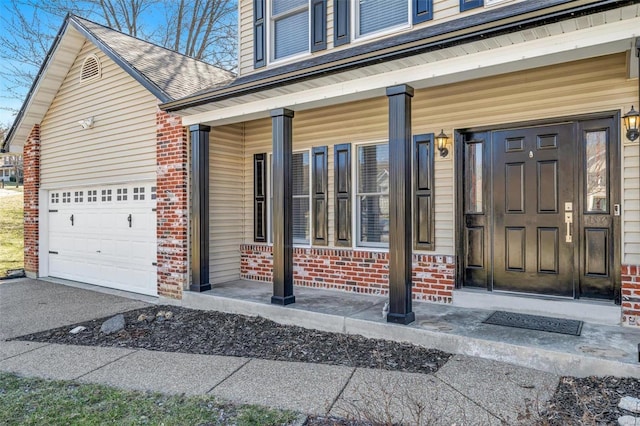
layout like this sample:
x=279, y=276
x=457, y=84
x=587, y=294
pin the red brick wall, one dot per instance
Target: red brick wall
x=353, y=270
x=631, y=295
x=172, y=201
x=31, y=156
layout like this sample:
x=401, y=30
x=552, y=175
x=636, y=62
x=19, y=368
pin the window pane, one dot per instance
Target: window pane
x=376, y=15
x=473, y=178
x=291, y=35
x=301, y=173
x=281, y=6
x=373, y=193
x=596, y=174
x=301, y=220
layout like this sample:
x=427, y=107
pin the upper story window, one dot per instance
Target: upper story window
x=289, y=27
x=374, y=16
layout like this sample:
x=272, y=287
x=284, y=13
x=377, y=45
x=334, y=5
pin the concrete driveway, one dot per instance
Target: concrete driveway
x=28, y=306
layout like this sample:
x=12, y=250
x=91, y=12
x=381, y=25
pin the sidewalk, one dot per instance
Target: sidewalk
x=466, y=390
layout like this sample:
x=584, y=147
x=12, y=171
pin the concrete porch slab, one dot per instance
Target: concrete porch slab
x=174, y=373
x=600, y=350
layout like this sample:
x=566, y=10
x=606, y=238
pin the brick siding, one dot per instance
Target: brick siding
x=31, y=158
x=352, y=270
x=172, y=202
x=631, y=295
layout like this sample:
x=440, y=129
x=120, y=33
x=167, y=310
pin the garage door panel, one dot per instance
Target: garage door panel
x=101, y=246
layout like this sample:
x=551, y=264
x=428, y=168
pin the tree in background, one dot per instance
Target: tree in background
x=202, y=29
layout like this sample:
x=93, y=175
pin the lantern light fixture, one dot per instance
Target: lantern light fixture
x=442, y=141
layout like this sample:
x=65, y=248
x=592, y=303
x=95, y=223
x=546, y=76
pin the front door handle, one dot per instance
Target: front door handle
x=568, y=220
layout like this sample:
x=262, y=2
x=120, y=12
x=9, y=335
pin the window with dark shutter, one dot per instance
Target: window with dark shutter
x=259, y=46
x=342, y=189
x=319, y=25
x=341, y=19
x=260, y=198
x=470, y=4
x=422, y=10
x=423, y=179
x=319, y=196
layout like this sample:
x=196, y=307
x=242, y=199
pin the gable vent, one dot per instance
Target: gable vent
x=90, y=69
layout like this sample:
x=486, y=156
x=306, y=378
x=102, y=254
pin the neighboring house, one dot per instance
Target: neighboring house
x=319, y=164
x=538, y=194
x=105, y=201
x=10, y=167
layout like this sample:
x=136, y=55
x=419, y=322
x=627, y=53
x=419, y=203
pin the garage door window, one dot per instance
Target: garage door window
x=122, y=194
x=55, y=198
x=106, y=195
x=153, y=192
x=138, y=194
x=66, y=197
x=79, y=196
x=92, y=196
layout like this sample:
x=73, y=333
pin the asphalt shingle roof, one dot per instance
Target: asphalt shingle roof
x=174, y=74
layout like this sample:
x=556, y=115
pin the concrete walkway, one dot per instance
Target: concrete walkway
x=466, y=390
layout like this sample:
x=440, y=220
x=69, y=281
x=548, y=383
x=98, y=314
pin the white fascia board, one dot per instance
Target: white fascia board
x=581, y=44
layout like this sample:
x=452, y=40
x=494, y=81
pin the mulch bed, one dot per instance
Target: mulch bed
x=591, y=400
x=215, y=333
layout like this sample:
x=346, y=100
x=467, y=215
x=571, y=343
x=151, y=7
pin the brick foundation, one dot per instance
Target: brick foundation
x=172, y=202
x=31, y=156
x=631, y=295
x=353, y=270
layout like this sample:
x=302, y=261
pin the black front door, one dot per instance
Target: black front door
x=533, y=199
x=539, y=210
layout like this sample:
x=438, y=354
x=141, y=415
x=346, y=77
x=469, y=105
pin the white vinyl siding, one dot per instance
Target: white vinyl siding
x=121, y=144
x=226, y=183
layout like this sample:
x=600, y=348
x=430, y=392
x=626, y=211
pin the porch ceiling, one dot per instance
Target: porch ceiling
x=583, y=37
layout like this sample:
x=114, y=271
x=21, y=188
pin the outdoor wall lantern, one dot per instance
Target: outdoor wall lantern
x=442, y=141
x=631, y=120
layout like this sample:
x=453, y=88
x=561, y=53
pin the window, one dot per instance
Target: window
x=106, y=195
x=66, y=197
x=79, y=195
x=153, y=193
x=373, y=195
x=138, y=193
x=301, y=198
x=289, y=27
x=122, y=194
x=373, y=16
x=92, y=195
x=470, y=4
x=55, y=198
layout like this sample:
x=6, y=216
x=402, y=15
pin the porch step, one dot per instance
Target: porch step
x=591, y=311
x=600, y=350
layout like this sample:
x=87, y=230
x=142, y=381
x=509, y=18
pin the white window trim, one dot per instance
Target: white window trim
x=270, y=200
x=355, y=19
x=270, y=32
x=355, y=225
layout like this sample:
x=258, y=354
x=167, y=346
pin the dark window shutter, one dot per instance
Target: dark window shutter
x=318, y=25
x=259, y=46
x=470, y=4
x=260, y=198
x=422, y=10
x=341, y=20
x=319, y=196
x=423, y=179
x=342, y=181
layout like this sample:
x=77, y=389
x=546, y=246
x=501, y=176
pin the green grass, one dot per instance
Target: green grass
x=11, y=232
x=26, y=401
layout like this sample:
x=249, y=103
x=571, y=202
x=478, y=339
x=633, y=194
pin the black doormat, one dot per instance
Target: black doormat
x=535, y=322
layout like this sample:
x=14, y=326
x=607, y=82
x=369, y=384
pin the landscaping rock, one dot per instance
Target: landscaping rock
x=630, y=404
x=628, y=421
x=113, y=324
x=78, y=329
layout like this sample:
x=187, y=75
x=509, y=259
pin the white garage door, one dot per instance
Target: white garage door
x=104, y=235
